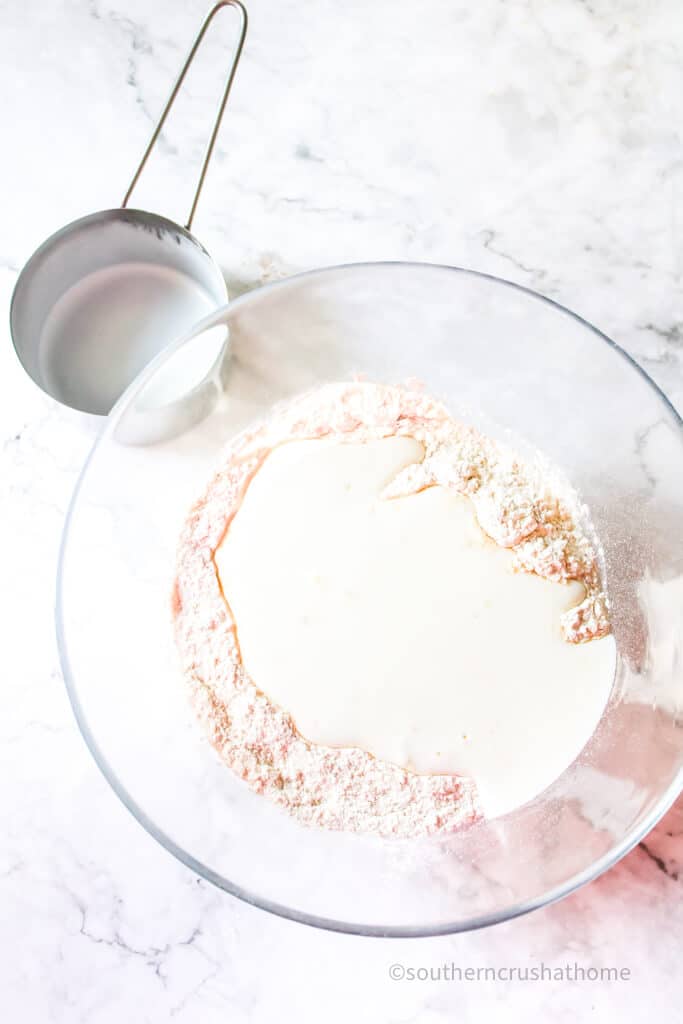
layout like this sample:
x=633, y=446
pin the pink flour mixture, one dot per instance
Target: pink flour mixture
x=348, y=788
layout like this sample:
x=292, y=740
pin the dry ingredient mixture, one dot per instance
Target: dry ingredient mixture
x=515, y=505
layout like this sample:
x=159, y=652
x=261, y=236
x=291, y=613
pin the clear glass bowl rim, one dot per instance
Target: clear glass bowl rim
x=604, y=863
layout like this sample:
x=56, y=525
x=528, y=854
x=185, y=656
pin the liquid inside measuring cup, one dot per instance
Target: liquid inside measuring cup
x=106, y=328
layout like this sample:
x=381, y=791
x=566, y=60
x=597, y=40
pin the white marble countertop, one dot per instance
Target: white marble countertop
x=539, y=141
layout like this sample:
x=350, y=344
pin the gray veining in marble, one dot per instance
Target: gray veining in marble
x=539, y=141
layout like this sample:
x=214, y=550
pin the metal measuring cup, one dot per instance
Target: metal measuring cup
x=105, y=294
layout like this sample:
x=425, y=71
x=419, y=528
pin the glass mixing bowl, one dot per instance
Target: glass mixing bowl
x=504, y=359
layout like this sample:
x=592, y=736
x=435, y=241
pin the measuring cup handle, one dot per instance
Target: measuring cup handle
x=174, y=92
